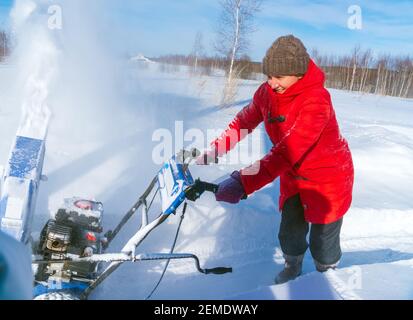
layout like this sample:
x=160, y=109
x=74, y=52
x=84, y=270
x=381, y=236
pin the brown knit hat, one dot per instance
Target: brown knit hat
x=286, y=57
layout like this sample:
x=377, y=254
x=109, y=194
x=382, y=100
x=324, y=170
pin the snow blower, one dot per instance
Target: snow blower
x=72, y=247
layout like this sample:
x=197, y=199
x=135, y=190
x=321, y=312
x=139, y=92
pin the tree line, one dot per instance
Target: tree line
x=362, y=71
x=359, y=71
x=206, y=65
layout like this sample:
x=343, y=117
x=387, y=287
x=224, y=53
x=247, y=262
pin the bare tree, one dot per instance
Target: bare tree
x=354, y=61
x=197, y=51
x=404, y=92
x=235, y=25
x=384, y=75
x=316, y=56
x=4, y=45
x=404, y=69
x=409, y=81
x=347, y=60
x=365, y=64
x=380, y=67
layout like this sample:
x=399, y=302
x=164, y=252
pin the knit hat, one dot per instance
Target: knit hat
x=286, y=57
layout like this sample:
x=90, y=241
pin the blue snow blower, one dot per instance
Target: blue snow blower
x=71, y=249
x=176, y=184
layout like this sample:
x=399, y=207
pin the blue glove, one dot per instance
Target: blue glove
x=231, y=190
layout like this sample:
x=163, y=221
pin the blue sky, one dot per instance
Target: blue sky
x=4, y=9
x=156, y=27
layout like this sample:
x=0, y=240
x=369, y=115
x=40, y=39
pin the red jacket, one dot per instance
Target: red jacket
x=309, y=154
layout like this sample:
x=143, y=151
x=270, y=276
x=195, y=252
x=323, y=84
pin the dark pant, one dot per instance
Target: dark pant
x=324, y=238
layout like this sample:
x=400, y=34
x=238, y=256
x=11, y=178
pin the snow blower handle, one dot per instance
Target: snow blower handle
x=219, y=270
x=185, y=157
x=195, y=191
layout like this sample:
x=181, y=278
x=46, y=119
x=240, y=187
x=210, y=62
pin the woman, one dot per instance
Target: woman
x=309, y=155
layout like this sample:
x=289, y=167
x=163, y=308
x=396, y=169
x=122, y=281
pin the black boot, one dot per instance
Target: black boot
x=292, y=269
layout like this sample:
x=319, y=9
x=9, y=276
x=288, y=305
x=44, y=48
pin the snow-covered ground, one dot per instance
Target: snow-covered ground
x=100, y=147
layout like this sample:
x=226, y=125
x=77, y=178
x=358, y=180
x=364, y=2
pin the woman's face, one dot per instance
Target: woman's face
x=281, y=83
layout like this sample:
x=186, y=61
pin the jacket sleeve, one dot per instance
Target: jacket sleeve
x=242, y=125
x=303, y=135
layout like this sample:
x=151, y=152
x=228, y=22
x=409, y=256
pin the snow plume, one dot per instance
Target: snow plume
x=36, y=56
x=65, y=70
x=86, y=99
x=97, y=134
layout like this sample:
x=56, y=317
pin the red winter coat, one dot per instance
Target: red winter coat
x=309, y=154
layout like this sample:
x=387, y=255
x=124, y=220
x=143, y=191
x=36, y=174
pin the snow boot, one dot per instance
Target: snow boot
x=292, y=269
x=324, y=267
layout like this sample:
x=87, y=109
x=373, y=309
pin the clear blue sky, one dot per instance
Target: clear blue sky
x=156, y=27
x=5, y=6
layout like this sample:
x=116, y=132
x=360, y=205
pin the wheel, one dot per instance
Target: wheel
x=57, y=296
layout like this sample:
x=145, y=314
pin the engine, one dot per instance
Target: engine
x=75, y=231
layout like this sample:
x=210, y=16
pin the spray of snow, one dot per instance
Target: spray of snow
x=72, y=77
x=37, y=57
